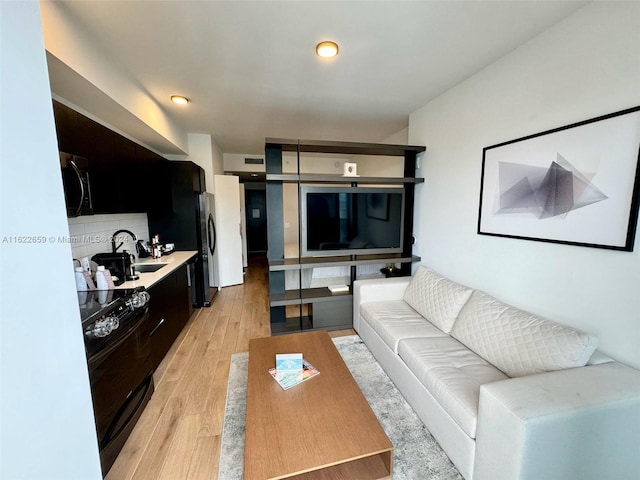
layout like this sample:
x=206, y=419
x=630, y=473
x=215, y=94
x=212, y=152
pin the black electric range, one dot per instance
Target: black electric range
x=118, y=346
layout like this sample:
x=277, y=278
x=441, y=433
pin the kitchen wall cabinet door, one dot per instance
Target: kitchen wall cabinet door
x=125, y=176
x=66, y=127
x=152, y=186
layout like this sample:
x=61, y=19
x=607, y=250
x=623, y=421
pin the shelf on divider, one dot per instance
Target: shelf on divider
x=344, y=260
x=291, y=325
x=319, y=178
x=348, y=148
x=306, y=295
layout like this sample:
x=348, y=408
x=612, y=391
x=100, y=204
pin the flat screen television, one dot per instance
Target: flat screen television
x=351, y=220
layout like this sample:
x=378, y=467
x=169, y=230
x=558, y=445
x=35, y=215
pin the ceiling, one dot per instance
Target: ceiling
x=250, y=70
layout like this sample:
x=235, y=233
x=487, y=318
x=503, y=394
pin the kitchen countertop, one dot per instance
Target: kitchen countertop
x=147, y=279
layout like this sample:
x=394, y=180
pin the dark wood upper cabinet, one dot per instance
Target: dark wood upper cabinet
x=66, y=127
x=125, y=176
x=95, y=141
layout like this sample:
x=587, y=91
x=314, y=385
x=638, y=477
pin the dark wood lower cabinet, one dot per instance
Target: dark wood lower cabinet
x=168, y=312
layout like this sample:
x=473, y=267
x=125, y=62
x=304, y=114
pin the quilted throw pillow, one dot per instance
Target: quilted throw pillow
x=435, y=298
x=517, y=342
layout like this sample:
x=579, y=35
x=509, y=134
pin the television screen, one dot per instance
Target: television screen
x=351, y=220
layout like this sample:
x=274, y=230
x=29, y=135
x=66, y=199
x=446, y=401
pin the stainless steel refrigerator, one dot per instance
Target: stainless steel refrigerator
x=185, y=225
x=203, y=295
x=212, y=242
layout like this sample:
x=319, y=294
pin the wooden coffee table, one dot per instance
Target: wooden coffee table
x=321, y=429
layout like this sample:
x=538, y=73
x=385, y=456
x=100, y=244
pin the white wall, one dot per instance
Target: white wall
x=47, y=429
x=201, y=153
x=381, y=166
x=398, y=138
x=234, y=162
x=585, y=66
x=204, y=152
x=218, y=158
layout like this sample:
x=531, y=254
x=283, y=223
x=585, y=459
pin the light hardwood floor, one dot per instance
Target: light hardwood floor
x=178, y=435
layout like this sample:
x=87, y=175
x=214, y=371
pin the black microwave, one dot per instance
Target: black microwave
x=77, y=188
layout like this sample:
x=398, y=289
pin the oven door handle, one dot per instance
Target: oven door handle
x=98, y=357
x=111, y=434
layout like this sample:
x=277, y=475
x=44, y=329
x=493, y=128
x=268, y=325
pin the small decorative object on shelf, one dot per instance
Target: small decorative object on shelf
x=350, y=170
x=338, y=288
x=391, y=270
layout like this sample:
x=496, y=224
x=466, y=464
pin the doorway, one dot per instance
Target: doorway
x=256, y=216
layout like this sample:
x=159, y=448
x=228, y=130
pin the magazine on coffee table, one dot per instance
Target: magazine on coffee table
x=289, y=362
x=287, y=380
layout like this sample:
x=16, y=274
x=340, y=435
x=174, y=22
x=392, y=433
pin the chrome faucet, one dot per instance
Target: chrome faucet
x=113, y=239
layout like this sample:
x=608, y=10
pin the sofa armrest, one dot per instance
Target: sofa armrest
x=376, y=290
x=576, y=423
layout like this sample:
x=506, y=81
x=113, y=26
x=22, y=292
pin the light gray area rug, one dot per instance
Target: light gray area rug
x=417, y=456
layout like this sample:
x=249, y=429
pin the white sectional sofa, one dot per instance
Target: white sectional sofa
x=508, y=395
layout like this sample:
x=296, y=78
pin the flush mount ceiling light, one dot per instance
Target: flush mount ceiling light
x=179, y=99
x=327, y=49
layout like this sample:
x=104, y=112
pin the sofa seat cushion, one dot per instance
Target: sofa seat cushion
x=436, y=298
x=394, y=320
x=452, y=373
x=517, y=342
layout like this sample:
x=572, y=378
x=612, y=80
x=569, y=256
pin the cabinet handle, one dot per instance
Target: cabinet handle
x=156, y=327
x=76, y=170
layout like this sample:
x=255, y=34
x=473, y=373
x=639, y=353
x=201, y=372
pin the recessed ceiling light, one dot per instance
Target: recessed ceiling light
x=327, y=49
x=179, y=99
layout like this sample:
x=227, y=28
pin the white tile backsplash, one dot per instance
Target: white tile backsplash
x=92, y=234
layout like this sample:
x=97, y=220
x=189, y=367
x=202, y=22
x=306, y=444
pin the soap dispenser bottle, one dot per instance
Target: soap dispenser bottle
x=103, y=279
x=81, y=282
x=101, y=273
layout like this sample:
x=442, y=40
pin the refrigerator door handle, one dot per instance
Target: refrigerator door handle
x=212, y=234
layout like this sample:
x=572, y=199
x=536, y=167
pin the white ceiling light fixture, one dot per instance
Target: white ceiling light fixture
x=179, y=99
x=327, y=49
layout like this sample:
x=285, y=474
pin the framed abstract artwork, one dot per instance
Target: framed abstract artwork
x=575, y=185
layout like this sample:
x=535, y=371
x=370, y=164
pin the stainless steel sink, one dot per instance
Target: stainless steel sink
x=148, y=267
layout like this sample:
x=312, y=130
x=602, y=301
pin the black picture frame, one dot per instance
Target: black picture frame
x=574, y=185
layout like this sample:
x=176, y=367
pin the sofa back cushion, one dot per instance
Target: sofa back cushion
x=436, y=298
x=517, y=342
